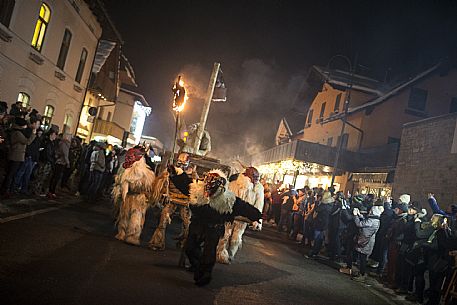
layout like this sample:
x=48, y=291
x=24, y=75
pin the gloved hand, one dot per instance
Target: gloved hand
x=257, y=225
x=356, y=212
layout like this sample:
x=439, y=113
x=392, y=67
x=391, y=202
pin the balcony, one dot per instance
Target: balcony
x=382, y=157
x=108, y=128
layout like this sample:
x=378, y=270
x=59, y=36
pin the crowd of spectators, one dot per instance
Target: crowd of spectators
x=396, y=242
x=38, y=160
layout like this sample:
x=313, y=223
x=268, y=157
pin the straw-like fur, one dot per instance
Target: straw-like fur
x=222, y=201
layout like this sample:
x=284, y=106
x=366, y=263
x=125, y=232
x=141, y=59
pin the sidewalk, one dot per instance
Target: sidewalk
x=28, y=205
x=372, y=284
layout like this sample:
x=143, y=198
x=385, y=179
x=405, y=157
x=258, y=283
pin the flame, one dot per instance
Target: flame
x=176, y=107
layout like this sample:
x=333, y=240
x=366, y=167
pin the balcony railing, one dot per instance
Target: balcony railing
x=108, y=128
x=378, y=157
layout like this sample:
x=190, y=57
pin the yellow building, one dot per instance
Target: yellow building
x=375, y=115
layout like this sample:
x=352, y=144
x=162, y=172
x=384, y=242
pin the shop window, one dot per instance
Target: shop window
x=82, y=63
x=453, y=108
x=48, y=114
x=64, y=49
x=6, y=10
x=41, y=27
x=336, y=108
x=310, y=118
x=417, y=99
x=24, y=98
x=68, y=122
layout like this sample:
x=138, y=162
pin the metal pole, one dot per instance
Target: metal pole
x=346, y=108
x=205, y=111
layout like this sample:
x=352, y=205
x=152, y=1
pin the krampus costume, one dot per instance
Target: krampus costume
x=135, y=186
x=180, y=177
x=248, y=188
x=212, y=205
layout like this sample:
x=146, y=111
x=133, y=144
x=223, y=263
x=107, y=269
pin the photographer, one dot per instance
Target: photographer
x=19, y=138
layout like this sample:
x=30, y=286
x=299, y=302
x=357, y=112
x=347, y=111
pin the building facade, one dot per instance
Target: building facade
x=46, y=53
x=373, y=119
x=427, y=162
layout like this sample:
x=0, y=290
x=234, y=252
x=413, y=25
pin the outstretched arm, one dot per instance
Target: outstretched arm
x=242, y=208
x=434, y=205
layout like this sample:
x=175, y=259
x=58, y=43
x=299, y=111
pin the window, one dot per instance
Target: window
x=100, y=113
x=40, y=27
x=417, y=99
x=453, y=108
x=6, y=10
x=47, y=117
x=330, y=141
x=82, y=63
x=336, y=109
x=24, y=98
x=108, y=116
x=310, y=118
x=64, y=49
x=345, y=141
x=321, y=115
x=392, y=140
x=68, y=122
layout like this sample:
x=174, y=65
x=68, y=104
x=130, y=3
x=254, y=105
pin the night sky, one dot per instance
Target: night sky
x=266, y=49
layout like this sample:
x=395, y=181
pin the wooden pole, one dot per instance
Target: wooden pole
x=205, y=111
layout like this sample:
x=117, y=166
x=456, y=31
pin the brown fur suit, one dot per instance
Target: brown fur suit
x=136, y=188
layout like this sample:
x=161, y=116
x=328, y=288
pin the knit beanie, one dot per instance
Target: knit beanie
x=405, y=198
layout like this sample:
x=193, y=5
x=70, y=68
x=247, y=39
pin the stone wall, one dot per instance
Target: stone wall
x=427, y=160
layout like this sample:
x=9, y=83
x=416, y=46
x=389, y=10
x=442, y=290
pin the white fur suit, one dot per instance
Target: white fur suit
x=231, y=242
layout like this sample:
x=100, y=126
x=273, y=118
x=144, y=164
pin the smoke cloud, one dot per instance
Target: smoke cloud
x=258, y=96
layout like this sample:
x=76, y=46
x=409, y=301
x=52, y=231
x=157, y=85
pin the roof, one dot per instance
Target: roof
x=346, y=79
x=104, y=49
x=294, y=121
x=139, y=95
x=392, y=92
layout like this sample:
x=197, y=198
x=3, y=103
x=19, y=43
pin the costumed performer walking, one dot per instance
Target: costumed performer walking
x=212, y=205
x=181, y=175
x=135, y=188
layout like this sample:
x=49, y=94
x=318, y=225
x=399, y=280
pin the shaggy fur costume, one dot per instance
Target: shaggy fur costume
x=135, y=189
x=177, y=200
x=207, y=225
x=232, y=240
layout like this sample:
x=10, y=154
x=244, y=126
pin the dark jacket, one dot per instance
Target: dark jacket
x=33, y=150
x=322, y=216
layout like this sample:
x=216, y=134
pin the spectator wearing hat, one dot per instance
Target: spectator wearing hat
x=19, y=138
x=366, y=237
x=32, y=153
x=379, y=254
x=321, y=219
x=395, y=236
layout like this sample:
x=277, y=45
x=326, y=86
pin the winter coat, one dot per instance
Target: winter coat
x=18, y=144
x=97, y=161
x=33, y=150
x=367, y=233
x=62, y=153
x=322, y=216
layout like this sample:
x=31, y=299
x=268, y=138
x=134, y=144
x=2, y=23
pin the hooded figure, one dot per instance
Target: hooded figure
x=366, y=238
x=135, y=187
x=249, y=189
x=212, y=205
